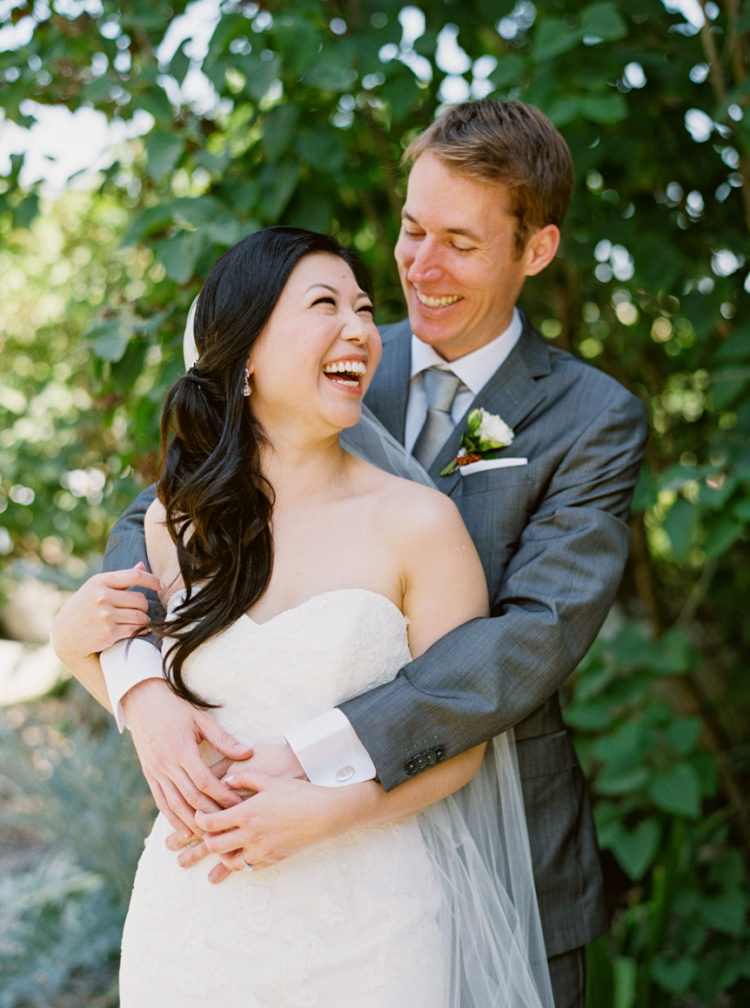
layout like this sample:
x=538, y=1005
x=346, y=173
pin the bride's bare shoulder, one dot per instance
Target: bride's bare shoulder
x=155, y=521
x=416, y=510
x=162, y=555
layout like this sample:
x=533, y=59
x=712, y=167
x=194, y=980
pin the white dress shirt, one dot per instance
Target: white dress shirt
x=327, y=746
x=474, y=369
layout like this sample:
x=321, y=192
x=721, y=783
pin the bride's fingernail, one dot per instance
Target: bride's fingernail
x=228, y=779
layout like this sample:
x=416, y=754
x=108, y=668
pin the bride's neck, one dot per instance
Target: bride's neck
x=303, y=471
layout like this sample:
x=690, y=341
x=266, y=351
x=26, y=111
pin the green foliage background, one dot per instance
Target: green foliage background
x=304, y=113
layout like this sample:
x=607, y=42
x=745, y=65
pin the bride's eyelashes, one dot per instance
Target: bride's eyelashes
x=327, y=299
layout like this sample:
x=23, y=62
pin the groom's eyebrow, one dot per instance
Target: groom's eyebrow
x=464, y=232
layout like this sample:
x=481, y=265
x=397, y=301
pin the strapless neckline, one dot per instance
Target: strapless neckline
x=295, y=609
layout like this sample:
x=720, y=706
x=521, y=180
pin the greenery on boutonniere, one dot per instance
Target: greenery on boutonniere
x=483, y=438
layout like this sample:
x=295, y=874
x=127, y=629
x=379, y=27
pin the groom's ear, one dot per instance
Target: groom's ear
x=541, y=248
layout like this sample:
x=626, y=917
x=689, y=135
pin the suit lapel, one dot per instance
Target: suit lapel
x=511, y=393
x=388, y=393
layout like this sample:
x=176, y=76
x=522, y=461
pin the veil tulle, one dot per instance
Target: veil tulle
x=494, y=949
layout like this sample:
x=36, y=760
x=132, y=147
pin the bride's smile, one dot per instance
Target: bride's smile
x=323, y=324
x=346, y=373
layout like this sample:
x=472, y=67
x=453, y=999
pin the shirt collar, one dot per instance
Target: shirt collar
x=473, y=368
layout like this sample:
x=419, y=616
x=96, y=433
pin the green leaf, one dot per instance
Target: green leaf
x=279, y=130
x=683, y=734
x=299, y=41
x=179, y=254
x=674, y=975
x=109, y=340
x=225, y=228
x=636, y=849
x=150, y=221
x=716, y=488
x=400, y=91
x=125, y=371
x=260, y=74
x=729, y=385
x=632, y=645
x=680, y=525
x=742, y=510
x=214, y=164
x=329, y=74
x=564, y=110
x=277, y=183
x=603, y=20
x=592, y=716
x=509, y=70
x=605, y=108
x=614, y=781
x=723, y=533
x=673, y=653
x=163, y=151
x=179, y=64
x=736, y=347
x=26, y=210
x=677, y=791
x=552, y=37
x=727, y=912
x=625, y=975
x=322, y=149
x=152, y=99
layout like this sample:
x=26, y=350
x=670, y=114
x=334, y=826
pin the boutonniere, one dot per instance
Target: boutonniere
x=483, y=438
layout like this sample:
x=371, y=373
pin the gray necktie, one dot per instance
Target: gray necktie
x=440, y=388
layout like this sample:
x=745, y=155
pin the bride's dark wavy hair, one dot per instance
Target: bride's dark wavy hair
x=218, y=503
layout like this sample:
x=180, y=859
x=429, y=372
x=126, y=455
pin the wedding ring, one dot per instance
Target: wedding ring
x=242, y=855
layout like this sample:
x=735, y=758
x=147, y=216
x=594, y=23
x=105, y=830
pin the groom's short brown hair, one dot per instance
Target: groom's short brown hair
x=506, y=142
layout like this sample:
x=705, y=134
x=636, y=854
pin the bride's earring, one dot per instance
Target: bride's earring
x=246, y=384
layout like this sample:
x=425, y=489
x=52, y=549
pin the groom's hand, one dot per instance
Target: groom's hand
x=273, y=759
x=167, y=731
x=281, y=817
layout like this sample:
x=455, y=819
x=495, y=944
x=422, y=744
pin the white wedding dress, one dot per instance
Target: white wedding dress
x=356, y=921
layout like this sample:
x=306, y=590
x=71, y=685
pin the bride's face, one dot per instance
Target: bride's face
x=317, y=353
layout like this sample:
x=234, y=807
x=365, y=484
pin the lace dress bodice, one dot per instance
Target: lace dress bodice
x=334, y=925
x=270, y=676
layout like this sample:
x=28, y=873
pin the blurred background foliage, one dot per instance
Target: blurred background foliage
x=245, y=114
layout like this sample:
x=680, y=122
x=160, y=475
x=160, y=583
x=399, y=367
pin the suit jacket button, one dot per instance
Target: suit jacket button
x=430, y=757
x=421, y=761
x=411, y=766
x=439, y=753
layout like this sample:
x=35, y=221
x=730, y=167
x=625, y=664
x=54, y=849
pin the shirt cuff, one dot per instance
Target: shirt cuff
x=330, y=751
x=126, y=664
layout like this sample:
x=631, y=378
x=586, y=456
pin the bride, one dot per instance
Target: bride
x=296, y=575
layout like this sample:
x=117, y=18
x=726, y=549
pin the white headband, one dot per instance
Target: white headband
x=189, y=349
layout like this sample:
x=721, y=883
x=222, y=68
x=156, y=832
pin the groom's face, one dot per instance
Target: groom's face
x=457, y=258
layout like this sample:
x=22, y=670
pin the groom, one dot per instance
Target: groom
x=488, y=189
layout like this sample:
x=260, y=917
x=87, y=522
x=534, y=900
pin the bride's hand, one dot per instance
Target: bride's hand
x=277, y=759
x=281, y=818
x=101, y=613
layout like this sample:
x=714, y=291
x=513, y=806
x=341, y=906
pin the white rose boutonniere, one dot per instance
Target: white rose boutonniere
x=483, y=438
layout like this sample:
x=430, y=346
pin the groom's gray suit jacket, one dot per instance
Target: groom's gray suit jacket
x=553, y=539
